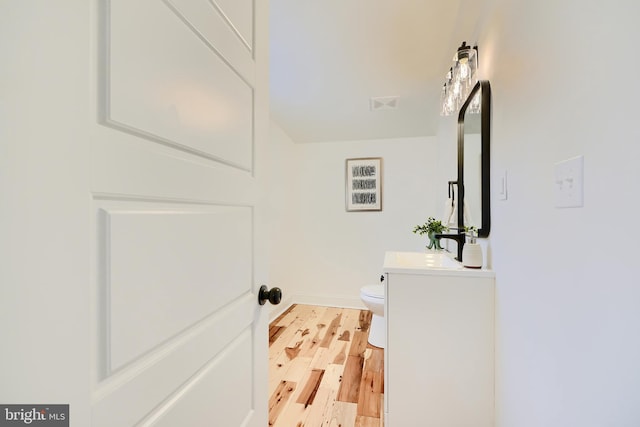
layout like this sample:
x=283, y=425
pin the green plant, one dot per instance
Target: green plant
x=432, y=226
x=471, y=231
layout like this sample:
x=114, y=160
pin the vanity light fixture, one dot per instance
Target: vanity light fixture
x=460, y=79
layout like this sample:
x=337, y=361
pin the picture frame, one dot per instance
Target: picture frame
x=363, y=184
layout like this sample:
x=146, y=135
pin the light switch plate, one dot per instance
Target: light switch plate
x=569, y=183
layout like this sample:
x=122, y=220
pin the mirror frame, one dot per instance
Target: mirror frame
x=485, y=134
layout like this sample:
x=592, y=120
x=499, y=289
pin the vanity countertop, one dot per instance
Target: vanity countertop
x=430, y=263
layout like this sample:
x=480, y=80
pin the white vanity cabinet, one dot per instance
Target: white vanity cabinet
x=439, y=358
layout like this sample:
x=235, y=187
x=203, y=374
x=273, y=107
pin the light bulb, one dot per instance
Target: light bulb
x=451, y=103
x=464, y=69
x=456, y=88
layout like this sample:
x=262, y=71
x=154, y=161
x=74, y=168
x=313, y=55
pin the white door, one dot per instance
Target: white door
x=132, y=135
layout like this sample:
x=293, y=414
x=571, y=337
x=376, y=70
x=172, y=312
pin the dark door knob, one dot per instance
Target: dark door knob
x=274, y=296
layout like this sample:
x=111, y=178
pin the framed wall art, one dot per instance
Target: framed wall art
x=364, y=184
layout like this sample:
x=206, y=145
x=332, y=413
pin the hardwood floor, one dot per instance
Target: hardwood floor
x=322, y=371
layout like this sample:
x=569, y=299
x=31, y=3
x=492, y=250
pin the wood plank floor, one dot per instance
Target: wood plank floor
x=322, y=371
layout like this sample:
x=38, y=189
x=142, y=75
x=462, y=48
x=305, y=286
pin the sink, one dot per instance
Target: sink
x=425, y=260
x=432, y=263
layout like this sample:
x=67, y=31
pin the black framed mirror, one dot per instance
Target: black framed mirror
x=474, y=142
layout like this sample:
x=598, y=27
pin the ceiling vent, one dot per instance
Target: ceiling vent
x=383, y=103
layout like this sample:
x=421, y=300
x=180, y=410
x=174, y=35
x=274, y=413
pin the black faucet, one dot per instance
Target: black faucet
x=460, y=238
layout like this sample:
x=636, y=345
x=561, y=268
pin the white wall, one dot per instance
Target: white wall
x=328, y=253
x=283, y=217
x=568, y=291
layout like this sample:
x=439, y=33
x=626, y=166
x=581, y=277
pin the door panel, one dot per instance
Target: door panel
x=168, y=80
x=195, y=261
x=218, y=394
x=239, y=14
x=224, y=37
x=159, y=380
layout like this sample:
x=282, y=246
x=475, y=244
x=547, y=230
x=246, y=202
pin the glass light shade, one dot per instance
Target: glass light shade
x=460, y=79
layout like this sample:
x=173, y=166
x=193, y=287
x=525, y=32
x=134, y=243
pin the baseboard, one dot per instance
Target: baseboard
x=277, y=310
x=330, y=301
x=322, y=300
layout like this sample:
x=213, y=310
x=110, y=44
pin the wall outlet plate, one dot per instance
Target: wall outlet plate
x=569, y=183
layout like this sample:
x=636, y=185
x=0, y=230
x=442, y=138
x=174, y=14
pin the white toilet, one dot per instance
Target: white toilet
x=373, y=297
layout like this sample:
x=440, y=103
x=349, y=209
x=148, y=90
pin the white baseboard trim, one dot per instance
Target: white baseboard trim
x=322, y=300
x=277, y=310
x=331, y=301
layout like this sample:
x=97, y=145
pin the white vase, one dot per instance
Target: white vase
x=472, y=255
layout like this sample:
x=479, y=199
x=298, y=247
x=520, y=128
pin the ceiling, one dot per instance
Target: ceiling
x=328, y=58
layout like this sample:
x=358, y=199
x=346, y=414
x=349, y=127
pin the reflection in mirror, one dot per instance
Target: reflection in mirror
x=472, y=169
x=473, y=160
